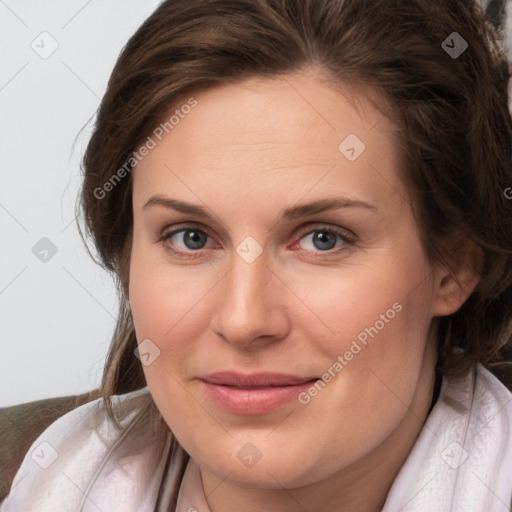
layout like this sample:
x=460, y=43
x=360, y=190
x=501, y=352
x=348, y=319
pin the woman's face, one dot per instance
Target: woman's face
x=251, y=279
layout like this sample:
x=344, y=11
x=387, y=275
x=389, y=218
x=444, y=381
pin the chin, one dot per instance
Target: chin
x=275, y=468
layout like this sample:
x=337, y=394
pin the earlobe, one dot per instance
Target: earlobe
x=454, y=285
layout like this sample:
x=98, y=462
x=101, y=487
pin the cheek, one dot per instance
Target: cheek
x=162, y=305
x=371, y=329
x=387, y=295
x=169, y=307
x=163, y=297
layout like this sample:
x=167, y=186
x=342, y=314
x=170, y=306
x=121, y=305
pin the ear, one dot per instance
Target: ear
x=456, y=280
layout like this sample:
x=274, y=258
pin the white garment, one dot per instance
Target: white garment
x=461, y=461
x=81, y=439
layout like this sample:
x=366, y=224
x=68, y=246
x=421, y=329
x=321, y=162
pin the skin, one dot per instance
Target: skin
x=245, y=153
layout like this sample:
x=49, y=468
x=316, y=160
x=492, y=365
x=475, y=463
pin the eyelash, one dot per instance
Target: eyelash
x=348, y=240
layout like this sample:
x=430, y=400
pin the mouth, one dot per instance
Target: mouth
x=253, y=394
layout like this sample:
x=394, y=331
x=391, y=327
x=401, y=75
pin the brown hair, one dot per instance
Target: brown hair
x=454, y=130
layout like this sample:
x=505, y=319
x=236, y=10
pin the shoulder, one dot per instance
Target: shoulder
x=492, y=404
x=81, y=458
x=463, y=454
x=493, y=387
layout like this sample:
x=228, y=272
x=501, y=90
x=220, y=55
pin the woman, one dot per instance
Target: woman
x=305, y=206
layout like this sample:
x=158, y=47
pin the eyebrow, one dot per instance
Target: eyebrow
x=293, y=212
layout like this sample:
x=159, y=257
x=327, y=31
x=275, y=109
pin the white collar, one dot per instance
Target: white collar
x=462, y=459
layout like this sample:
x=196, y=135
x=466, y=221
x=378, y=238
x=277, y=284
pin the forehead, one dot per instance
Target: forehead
x=290, y=132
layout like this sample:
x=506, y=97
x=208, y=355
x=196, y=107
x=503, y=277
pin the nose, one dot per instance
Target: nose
x=251, y=309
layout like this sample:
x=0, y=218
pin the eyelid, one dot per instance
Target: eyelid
x=172, y=230
x=323, y=226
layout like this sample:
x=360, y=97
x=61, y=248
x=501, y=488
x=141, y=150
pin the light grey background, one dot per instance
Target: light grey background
x=57, y=316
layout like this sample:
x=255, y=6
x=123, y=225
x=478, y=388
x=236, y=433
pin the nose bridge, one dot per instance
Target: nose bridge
x=248, y=306
x=247, y=286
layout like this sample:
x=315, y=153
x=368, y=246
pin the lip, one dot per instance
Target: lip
x=253, y=394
